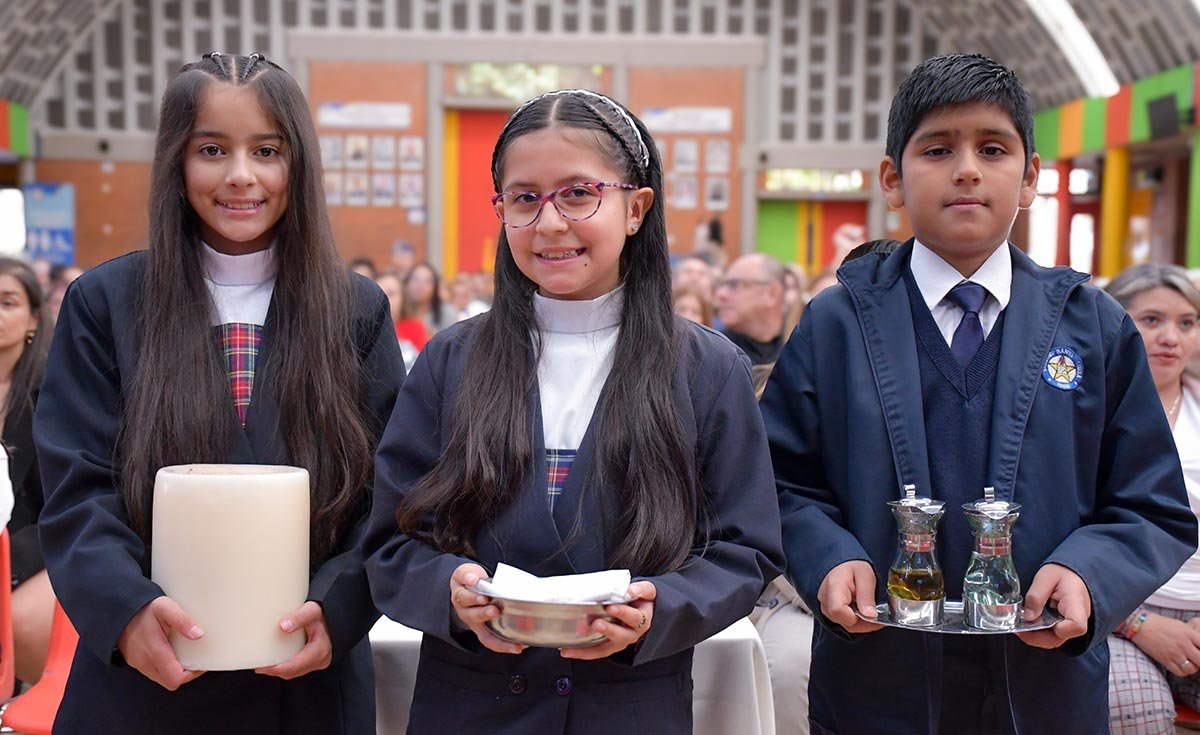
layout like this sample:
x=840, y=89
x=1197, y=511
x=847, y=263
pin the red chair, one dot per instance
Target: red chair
x=33, y=712
x=1186, y=717
x=7, y=658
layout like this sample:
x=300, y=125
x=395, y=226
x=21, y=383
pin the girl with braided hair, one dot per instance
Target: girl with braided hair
x=238, y=337
x=577, y=426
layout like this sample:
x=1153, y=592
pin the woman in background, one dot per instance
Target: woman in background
x=1155, y=652
x=24, y=341
x=423, y=298
x=411, y=333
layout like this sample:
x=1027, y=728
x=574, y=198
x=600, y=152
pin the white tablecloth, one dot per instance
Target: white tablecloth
x=732, y=686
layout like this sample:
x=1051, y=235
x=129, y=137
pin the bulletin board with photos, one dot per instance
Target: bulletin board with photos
x=697, y=150
x=370, y=161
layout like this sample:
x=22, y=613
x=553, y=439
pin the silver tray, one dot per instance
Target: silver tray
x=548, y=624
x=953, y=623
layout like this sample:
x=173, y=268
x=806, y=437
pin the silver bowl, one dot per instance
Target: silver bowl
x=549, y=624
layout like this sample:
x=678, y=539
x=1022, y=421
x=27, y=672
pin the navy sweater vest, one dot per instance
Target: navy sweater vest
x=958, y=415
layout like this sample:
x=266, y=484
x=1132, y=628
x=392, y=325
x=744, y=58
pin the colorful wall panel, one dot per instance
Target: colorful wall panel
x=1179, y=82
x=1046, y=133
x=14, y=129
x=1116, y=117
x=801, y=232
x=471, y=227
x=1070, y=129
x=1095, y=115
x=1093, y=124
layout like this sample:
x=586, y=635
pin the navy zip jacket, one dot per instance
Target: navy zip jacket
x=1091, y=461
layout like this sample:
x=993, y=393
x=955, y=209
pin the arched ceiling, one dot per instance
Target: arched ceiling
x=35, y=38
x=1136, y=39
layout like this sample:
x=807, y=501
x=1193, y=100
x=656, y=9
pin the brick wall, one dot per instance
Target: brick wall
x=369, y=231
x=696, y=87
x=111, y=205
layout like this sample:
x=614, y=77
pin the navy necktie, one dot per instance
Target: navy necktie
x=969, y=335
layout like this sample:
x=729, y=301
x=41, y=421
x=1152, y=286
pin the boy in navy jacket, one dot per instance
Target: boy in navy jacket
x=953, y=364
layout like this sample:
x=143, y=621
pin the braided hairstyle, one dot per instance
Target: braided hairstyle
x=178, y=410
x=640, y=447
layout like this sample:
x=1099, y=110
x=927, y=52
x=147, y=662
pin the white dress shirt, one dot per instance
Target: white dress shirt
x=240, y=285
x=578, y=341
x=1182, y=592
x=935, y=278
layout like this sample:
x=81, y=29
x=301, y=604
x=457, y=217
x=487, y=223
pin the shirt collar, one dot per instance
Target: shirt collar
x=579, y=317
x=238, y=270
x=935, y=277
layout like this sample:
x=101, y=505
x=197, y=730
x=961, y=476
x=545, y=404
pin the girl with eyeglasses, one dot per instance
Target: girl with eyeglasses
x=577, y=426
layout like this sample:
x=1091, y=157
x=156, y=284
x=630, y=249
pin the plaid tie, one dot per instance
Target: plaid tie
x=969, y=336
x=240, y=344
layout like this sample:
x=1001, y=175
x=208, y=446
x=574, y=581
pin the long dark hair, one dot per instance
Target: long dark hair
x=639, y=439
x=27, y=373
x=179, y=408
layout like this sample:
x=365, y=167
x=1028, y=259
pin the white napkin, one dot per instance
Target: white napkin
x=515, y=584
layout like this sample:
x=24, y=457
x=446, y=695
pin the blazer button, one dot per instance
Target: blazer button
x=516, y=684
x=563, y=686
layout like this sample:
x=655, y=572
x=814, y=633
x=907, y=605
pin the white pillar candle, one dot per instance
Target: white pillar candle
x=230, y=545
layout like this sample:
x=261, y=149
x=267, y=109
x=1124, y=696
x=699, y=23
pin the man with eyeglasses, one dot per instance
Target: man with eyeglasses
x=749, y=300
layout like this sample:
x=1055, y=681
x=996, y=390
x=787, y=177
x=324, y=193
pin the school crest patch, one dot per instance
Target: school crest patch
x=1063, y=369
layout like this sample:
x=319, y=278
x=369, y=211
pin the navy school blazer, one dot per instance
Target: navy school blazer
x=1094, y=468
x=463, y=687
x=100, y=568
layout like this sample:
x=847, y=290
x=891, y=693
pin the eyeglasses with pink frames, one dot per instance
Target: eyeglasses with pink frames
x=575, y=202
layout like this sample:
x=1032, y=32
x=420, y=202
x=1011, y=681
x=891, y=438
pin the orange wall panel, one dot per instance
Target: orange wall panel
x=369, y=231
x=1117, y=119
x=1070, y=135
x=111, y=205
x=696, y=87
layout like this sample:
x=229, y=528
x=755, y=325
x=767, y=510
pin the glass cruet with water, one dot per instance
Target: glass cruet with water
x=991, y=589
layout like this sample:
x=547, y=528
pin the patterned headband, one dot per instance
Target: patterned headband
x=645, y=152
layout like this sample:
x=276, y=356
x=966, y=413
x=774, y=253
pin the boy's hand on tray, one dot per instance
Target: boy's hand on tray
x=849, y=584
x=1055, y=583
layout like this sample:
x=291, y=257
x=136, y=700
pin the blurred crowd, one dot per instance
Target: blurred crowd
x=754, y=300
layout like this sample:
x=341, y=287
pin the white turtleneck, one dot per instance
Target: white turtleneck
x=240, y=285
x=578, y=339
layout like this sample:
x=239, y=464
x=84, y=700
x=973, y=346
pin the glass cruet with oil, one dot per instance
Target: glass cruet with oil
x=916, y=590
x=991, y=589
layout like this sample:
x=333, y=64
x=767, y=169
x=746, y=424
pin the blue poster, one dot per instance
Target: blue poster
x=50, y=222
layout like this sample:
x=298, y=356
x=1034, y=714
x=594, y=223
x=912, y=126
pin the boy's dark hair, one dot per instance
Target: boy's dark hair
x=640, y=444
x=952, y=80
